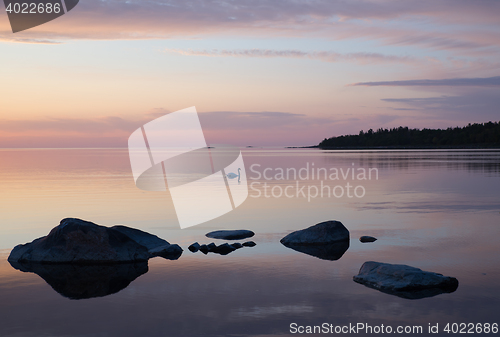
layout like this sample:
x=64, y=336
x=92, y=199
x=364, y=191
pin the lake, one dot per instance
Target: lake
x=438, y=210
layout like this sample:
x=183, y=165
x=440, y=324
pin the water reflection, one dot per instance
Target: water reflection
x=472, y=161
x=433, y=211
x=85, y=281
x=416, y=294
x=331, y=252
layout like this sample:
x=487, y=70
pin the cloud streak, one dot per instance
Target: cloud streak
x=450, y=82
x=325, y=56
x=390, y=22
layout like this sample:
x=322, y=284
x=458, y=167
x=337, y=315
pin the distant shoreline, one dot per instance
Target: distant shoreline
x=450, y=147
x=471, y=136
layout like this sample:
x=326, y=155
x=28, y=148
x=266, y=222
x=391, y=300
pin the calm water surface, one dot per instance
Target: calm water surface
x=435, y=210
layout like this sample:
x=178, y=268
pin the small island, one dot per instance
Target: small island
x=482, y=135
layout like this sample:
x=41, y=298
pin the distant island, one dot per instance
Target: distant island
x=480, y=135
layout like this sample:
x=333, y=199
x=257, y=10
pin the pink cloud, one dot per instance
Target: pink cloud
x=325, y=56
x=450, y=82
x=468, y=26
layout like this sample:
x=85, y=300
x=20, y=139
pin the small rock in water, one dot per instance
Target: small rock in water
x=204, y=249
x=211, y=247
x=366, y=238
x=230, y=234
x=236, y=245
x=223, y=249
x=194, y=247
x=249, y=244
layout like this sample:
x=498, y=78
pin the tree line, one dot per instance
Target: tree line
x=472, y=135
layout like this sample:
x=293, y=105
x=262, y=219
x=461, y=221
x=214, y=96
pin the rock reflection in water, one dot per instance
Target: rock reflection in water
x=85, y=281
x=331, y=251
x=417, y=294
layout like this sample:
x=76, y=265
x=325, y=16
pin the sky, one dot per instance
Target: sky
x=260, y=73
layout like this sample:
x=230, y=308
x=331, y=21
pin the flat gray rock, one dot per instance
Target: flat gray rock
x=230, y=234
x=404, y=281
x=323, y=233
x=77, y=241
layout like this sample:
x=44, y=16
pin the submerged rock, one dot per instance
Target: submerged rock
x=249, y=244
x=230, y=234
x=404, y=281
x=85, y=281
x=366, y=238
x=82, y=242
x=323, y=233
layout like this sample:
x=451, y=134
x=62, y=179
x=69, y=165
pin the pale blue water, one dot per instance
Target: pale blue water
x=435, y=210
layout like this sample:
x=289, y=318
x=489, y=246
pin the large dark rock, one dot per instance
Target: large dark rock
x=148, y=240
x=404, y=281
x=155, y=245
x=85, y=281
x=230, y=234
x=170, y=252
x=82, y=242
x=323, y=233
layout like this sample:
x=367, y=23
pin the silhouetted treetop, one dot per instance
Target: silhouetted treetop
x=475, y=135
